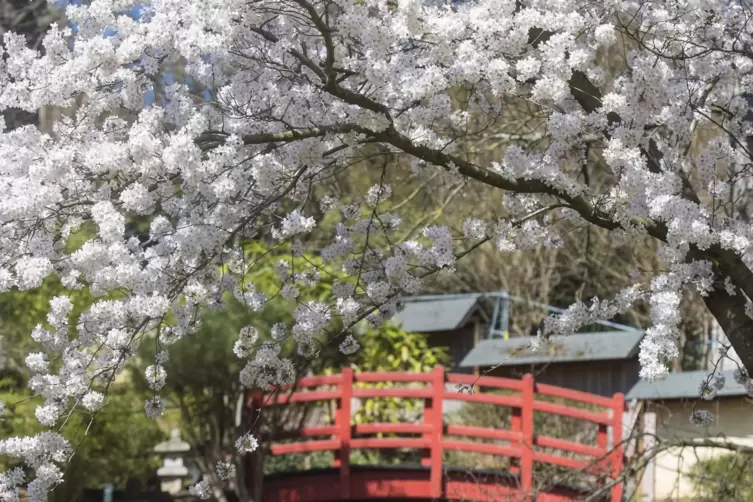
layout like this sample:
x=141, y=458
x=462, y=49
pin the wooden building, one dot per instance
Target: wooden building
x=601, y=363
x=666, y=405
x=457, y=322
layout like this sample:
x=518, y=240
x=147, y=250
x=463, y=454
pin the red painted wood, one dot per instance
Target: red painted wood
x=573, y=395
x=618, y=409
x=437, y=423
x=303, y=383
x=484, y=433
x=307, y=447
x=516, y=427
x=302, y=397
x=570, y=446
x=429, y=416
x=477, y=447
x=318, y=381
x=390, y=443
x=386, y=486
x=526, y=447
x=509, y=401
x=403, y=485
x=327, y=430
x=254, y=399
x=567, y=411
x=484, y=381
x=343, y=425
x=570, y=463
x=436, y=484
x=602, y=442
x=402, y=392
x=397, y=428
x=386, y=376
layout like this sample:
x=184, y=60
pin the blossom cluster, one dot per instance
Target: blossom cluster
x=292, y=92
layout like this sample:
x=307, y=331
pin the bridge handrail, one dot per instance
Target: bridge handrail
x=433, y=431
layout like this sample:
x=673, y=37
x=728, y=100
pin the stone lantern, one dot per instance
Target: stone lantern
x=173, y=472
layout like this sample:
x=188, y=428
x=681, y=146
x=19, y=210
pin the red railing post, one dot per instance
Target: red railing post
x=526, y=422
x=516, y=426
x=255, y=467
x=617, y=411
x=602, y=442
x=342, y=422
x=434, y=417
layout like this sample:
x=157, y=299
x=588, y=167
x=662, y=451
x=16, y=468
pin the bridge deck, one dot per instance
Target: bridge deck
x=408, y=483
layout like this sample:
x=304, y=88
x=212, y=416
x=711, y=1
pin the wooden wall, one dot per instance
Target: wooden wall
x=604, y=378
x=459, y=343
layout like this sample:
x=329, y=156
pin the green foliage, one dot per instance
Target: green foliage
x=727, y=478
x=298, y=462
x=110, y=447
x=390, y=348
x=117, y=446
x=203, y=371
x=203, y=383
x=21, y=311
x=393, y=349
x=19, y=411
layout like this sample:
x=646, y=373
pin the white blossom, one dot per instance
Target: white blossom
x=701, y=418
x=156, y=376
x=290, y=292
x=154, y=407
x=225, y=470
x=246, y=444
x=267, y=157
x=378, y=194
x=279, y=331
x=349, y=345
x=201, y=490
x=604, y=33
x=37, y=362
x=295, y=223
x=92, y=400
x=741, y=375
x=474, y=229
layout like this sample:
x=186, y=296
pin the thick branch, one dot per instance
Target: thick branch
x=211, y=139
x=729, y=312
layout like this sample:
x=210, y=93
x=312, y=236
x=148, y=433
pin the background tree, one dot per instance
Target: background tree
x=300, y=92
x=111, y=447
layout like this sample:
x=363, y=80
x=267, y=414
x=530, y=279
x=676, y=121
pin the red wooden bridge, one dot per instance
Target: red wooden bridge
x=432, y=480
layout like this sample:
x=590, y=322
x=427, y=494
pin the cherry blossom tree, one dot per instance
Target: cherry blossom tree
x=296, y=92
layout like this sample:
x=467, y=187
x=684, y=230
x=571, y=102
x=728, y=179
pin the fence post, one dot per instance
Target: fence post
x=617, y=410
x=602, y=441
x=342, y=423
x=648, y=484
x=434, y=417
x=253, y=476
x=516, y=426
x=526, y=419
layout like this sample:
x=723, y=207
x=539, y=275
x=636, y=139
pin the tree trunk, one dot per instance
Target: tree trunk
x=729, y=312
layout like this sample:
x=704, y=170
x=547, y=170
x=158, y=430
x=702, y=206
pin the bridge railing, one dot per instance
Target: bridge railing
x=433, y=436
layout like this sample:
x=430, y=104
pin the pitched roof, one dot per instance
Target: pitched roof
x=685, y=385
x=428, y=314
x=515, y=351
